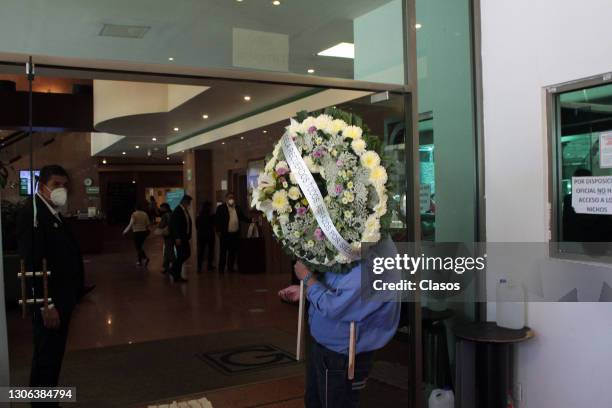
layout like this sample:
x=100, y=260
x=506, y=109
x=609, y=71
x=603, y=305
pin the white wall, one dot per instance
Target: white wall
x=527, y=45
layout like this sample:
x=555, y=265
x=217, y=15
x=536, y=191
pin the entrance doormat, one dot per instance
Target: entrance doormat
x=132, y=374
x=249, y=358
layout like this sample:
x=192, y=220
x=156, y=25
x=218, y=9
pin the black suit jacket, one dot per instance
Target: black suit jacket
x=222, y=218
x=180, y=224
x=51, y=239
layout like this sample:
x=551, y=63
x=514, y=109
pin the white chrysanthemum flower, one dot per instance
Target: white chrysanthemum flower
x=311, y=164
x=294, y=193
x=297, y=234
x=292, y=178
x=371, y=237
x=372, y=224
x=310, y=243
x=270, y=165
x=267, y=208
x=370, y=159
x=340, y=258
x=378, y=175
x=324, y=122
x=308, y=123
x=349, y=185
x=348, y=214
x=280, y=202
x=276, y=150
x=294, y=128
x=265, y=180
x=353, y=132
x=359, y=146
x=337, y=126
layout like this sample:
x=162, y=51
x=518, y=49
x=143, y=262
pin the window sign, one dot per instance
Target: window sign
x=592, y=195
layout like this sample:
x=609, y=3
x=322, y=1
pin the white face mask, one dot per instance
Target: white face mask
x=230, y=202
x=58, y=196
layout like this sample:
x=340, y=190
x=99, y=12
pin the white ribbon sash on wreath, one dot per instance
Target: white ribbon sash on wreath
x=315, y=199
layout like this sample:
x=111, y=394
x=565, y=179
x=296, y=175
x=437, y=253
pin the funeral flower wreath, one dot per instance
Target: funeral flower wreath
x=324, y=189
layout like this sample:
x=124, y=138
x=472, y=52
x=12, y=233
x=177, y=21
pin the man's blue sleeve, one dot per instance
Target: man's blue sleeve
x=343, y=302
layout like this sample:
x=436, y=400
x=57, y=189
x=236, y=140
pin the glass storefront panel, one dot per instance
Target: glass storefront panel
x=447, y=153
x=349, y=39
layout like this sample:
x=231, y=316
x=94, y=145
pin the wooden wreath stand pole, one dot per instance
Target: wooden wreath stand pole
x=299, y=352
x=351, y=355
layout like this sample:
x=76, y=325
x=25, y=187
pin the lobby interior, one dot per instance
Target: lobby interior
x=166, y=122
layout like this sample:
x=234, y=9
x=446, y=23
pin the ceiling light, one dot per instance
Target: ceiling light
x=154, y=139
x=133, y=181
x=122, y=152
x=138, y=147
x=247, y=98
x=311, y=71
x=222, y=142
x=167, y=158
x=276, y=2
x=104, y=161
x=241, y=137
x=176, y=129
x=183, y=161
x=204, y=116
x=170, y=58
x=341, y=50
x=418, y=25
x=265, y=131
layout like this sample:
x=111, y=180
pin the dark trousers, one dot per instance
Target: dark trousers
x=327, y=383
x=183, y=252
x=206, y=247
x=49, y=347
x=139, y=239
x=228, y=250
x=168, y=253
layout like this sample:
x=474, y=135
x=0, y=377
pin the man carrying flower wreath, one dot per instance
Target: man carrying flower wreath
x=335, y=302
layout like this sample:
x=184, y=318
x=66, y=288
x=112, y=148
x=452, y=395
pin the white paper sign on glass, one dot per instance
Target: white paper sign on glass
x=605, y=150
x=592, y=195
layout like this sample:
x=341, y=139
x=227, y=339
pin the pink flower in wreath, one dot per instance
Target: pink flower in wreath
x=301, y=211
x=319, y=235
x=339, y=189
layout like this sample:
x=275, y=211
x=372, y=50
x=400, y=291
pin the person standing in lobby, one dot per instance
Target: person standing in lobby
x=180, y=231
x=227, y=218
x=206, y=236
x=43, y=234
x=139, y=225
x=163, y=229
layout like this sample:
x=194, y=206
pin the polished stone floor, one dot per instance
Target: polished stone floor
x=132, y=304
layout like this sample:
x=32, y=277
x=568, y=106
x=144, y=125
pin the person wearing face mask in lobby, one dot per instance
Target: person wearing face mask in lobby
x=43, y=233
x=227, y=218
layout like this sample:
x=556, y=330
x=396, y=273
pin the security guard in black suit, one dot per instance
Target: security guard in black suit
x=42, y=233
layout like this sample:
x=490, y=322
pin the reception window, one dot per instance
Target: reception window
x=582, y=169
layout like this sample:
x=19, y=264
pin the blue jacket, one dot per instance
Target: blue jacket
x=336, y=301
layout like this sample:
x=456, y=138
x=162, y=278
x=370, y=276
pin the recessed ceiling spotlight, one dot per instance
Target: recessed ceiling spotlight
x=247, y=98
x=176, y=129
x=103, y=161
x=239, y=1
x=341, y=50
x=241, y=137
x=154, y=139
x=222, y=143
x=183, y=161
x=311, y=71
x=205, y=116
x=133, y=181
x=265, y=131
x=138, y=147
x=123, y=153
x=167, y=158
x=276, y=2
x=170, y=58
x=418, y=25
